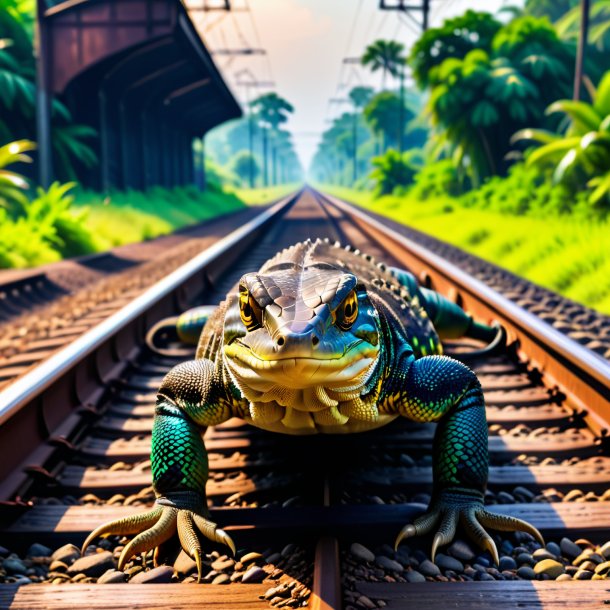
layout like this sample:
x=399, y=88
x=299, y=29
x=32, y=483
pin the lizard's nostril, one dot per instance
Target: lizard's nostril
x=280, y=341
x=314, y=340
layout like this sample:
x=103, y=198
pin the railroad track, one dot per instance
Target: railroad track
x=75, y=437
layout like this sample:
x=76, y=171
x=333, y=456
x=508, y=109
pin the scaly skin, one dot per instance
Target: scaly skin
x=321, y=340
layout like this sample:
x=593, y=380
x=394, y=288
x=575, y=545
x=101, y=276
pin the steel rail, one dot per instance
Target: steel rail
x=577, y=371
x=32, y=384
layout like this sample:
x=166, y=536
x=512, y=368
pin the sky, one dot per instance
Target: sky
x=305, y=42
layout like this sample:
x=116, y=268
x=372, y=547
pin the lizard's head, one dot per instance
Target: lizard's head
x=297, y=326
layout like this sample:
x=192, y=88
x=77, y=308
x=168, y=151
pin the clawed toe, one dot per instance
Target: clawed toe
x=473, y=518
x=157, y=527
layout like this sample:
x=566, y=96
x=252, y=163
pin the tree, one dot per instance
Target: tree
x=455, y=38
x=18, y=95
x=580, y=157
x=271, y=111
x=240, y=165
x=553, y=9
x=384, y=55
x=394, y=169
x=388, y=56
x=479, y=100
x=360, y=96
x=382, y=114
x=599, y=30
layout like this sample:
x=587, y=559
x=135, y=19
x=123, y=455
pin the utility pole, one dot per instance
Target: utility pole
x=585, y=6
x=408, y=7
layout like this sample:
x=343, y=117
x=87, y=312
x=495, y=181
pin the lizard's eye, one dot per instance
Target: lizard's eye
x=347, y=312
x=250, y=312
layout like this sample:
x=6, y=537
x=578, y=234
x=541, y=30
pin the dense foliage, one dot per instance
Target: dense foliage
x=70, y=141
x=491, y=88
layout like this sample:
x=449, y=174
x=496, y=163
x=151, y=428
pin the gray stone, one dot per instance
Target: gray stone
x=250, y=557
x=554, y=548
x=461, y=550
x=569, y=548
x=507, y=563
x=525, y=558
x=506, y=548
x=22, y=580
x=427, y=568
x=4, y=551
x=184, y=564
x=444, y=562
x=361, y=552
x=288, y=550
x=406, y=460
x=540, y=554
x=604, y=550
x=388, y=564
x=223, y=564
x=484, y=576
x=38, y=550
x=583, y=575
x=254, y=574
x=156, y=575
x=414, y=576
x=523, y=493
x=222, y=579
x=14, y=566
x=550, y=567
x=111, y=577
x=526, y=573
x=67, y=553
x=274, y=558
x=92, y=565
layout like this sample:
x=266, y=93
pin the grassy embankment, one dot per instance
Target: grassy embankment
x=564, y=253
x=63, y=223
x=264, y=195
x=128, y=217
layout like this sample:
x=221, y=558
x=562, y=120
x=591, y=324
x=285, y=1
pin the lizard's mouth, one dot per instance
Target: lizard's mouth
x=344, y=371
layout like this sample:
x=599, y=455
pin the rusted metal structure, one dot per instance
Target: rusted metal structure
x=138, y=72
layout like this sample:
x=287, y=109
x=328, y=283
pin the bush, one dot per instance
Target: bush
x=393, y=170
x=437, y=179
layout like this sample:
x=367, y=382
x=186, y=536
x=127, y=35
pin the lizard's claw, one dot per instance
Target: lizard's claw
x=159, y=525
x=452, y=508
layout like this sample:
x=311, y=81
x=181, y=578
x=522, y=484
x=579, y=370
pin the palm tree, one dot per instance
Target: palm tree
x=271, y=111
x=580, y=158
x=384, y=55
x=387, y=55
x=360, y=97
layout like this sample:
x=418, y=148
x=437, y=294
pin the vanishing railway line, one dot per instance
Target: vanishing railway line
x=312, y=517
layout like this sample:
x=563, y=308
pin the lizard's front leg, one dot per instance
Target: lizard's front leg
x=443, y=390
x=190, y=399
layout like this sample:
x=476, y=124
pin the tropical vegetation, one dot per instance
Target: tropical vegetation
x=511, y=167
x=64, y=221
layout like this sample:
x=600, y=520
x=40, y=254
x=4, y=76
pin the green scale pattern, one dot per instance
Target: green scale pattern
x=179, y=459
x=440, y=389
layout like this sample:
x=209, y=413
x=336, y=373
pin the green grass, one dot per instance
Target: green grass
x=264, y=195
x=128, y=217
x=57, y=224
x=566, y=254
